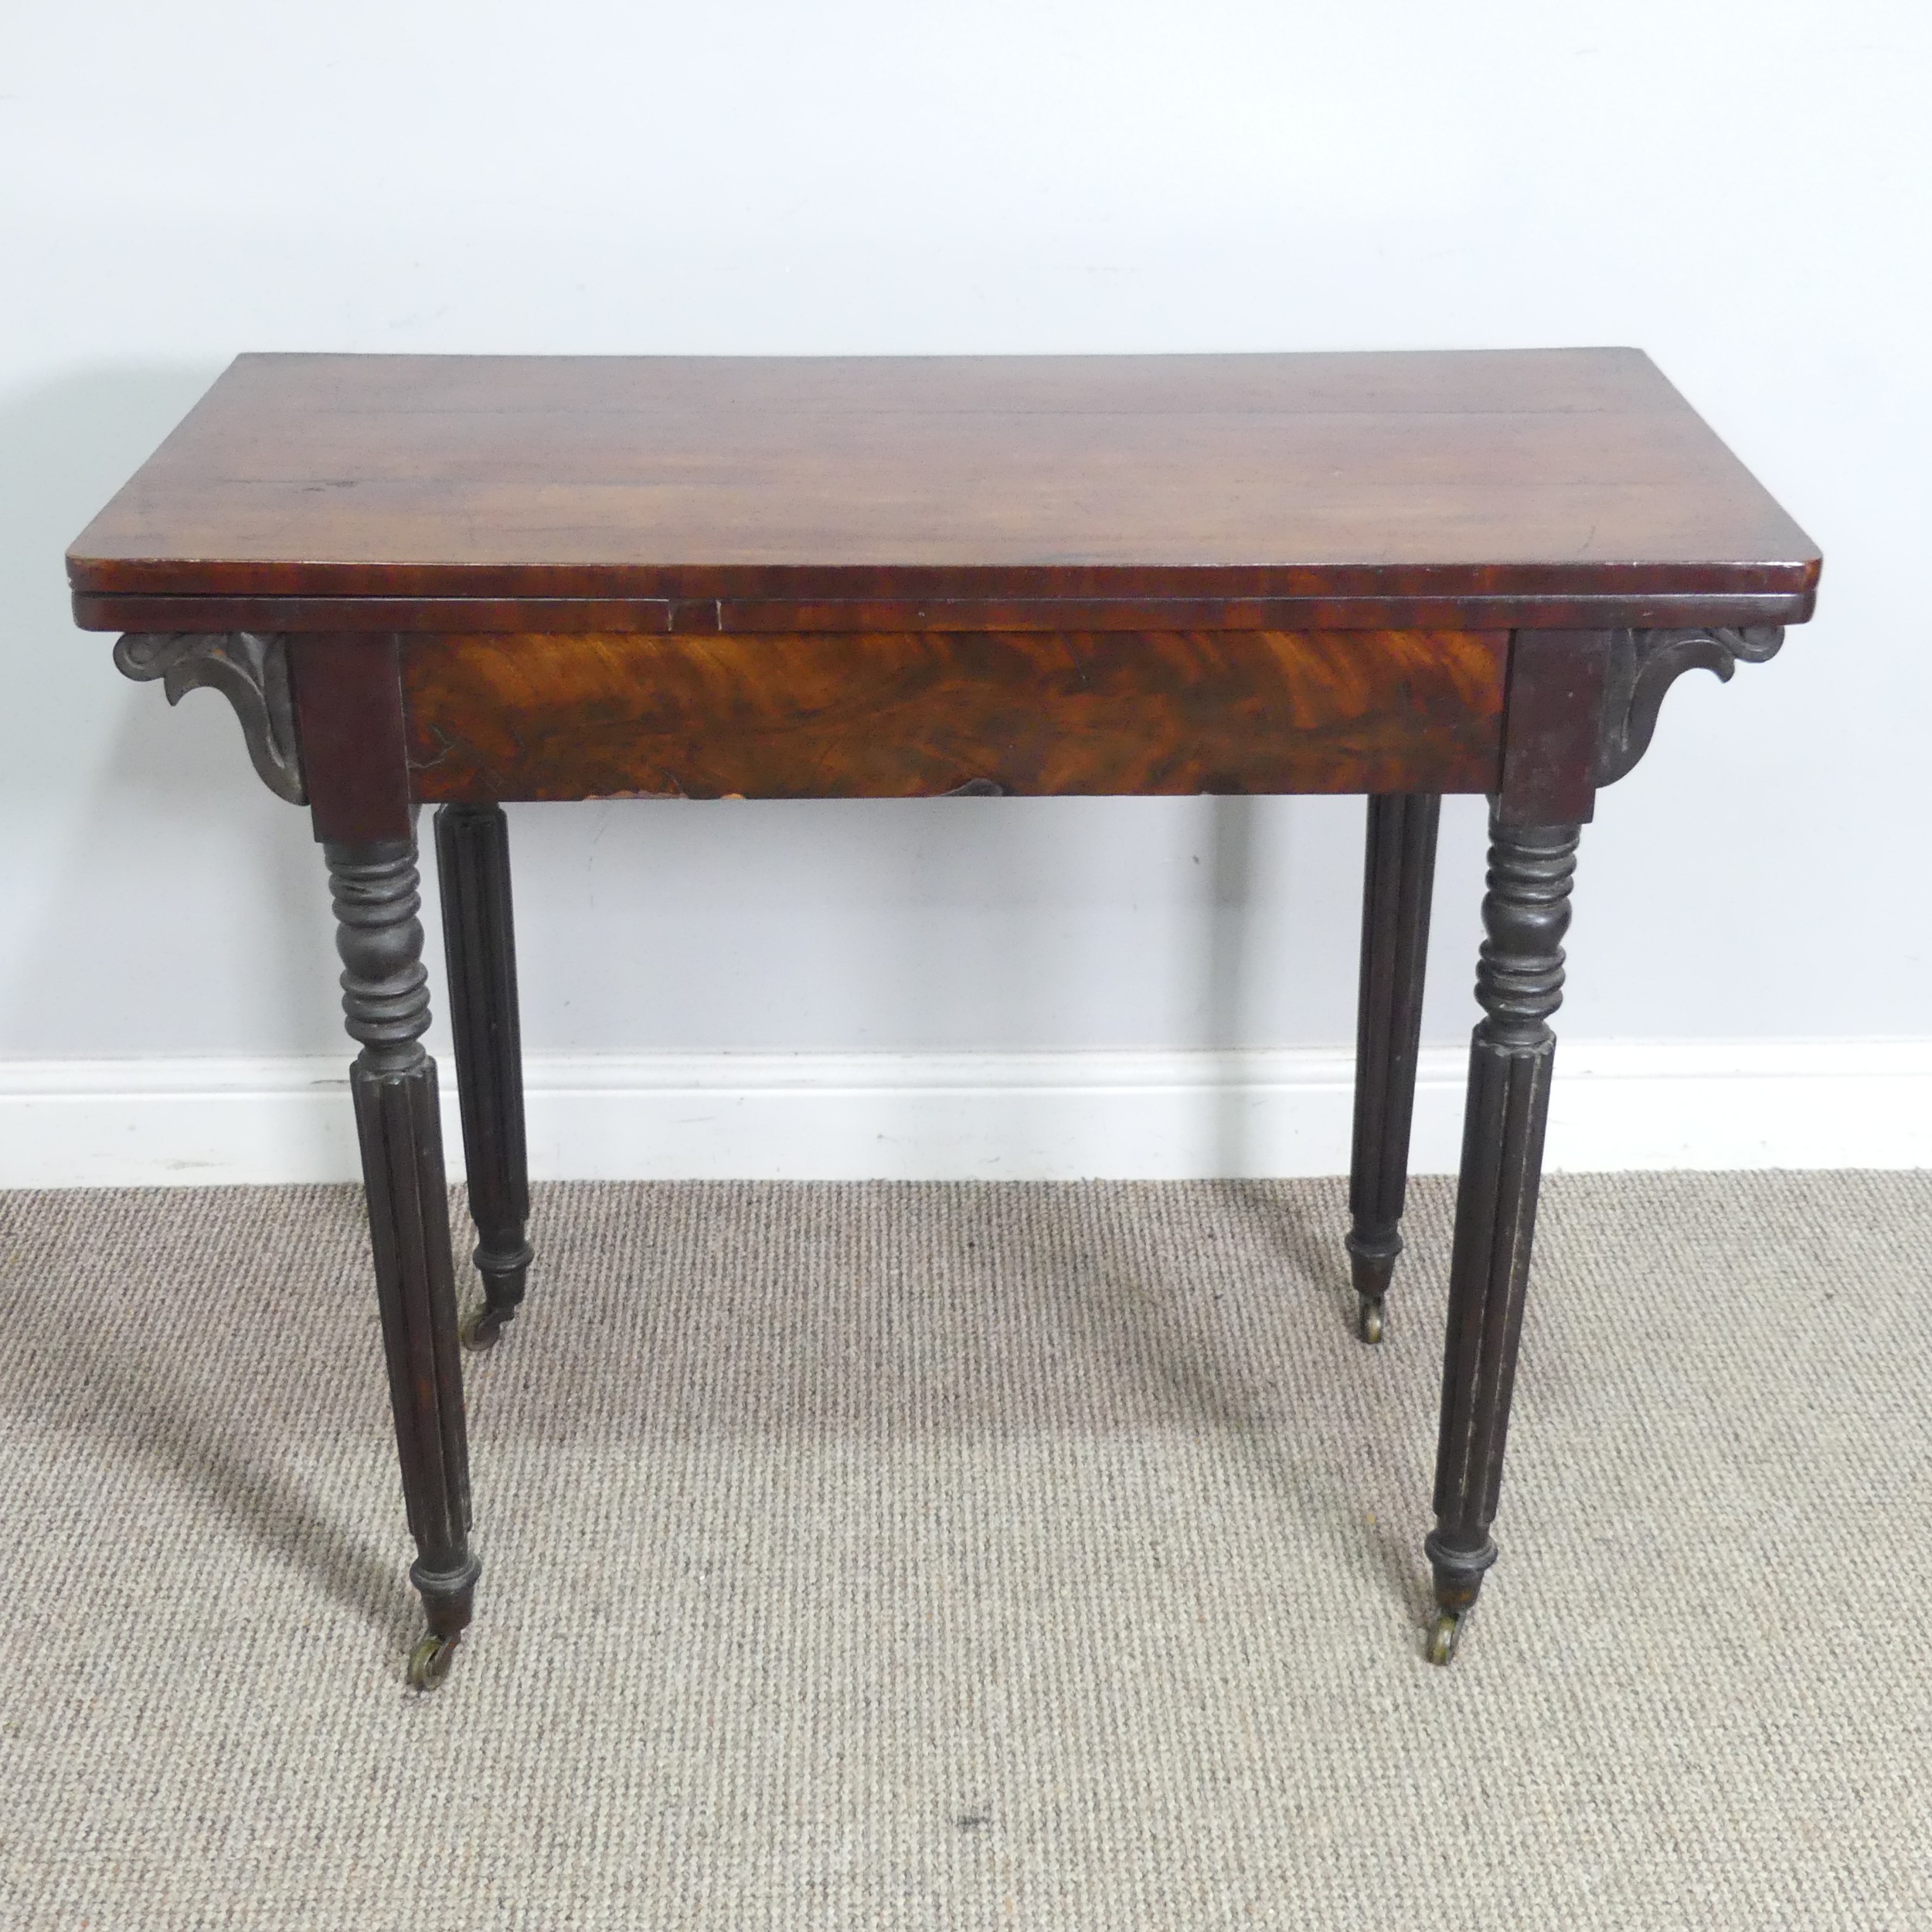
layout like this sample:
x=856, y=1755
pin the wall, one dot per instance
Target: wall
x=1742, y=189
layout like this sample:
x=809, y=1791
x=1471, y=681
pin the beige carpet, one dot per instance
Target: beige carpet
x=934, y=1556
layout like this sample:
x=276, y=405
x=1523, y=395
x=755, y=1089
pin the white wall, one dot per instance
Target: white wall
x=1743, y=188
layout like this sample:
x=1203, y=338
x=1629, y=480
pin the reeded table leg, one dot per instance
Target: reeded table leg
x=473, y=863
x=1520, y=983
x=1396, y=891
x=386, y=999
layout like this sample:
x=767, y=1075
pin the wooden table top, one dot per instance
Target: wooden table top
x=1529, y=487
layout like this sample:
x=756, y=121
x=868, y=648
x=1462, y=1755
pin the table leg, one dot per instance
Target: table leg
x=385, y=1001
x=1519, y=980
x=1396, y=887
x=473, y=865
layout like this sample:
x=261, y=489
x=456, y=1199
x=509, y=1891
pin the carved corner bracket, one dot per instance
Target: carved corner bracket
x=1644, y=664
x=250, y=670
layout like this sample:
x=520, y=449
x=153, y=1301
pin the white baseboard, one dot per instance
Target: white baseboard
x=1617, y=1105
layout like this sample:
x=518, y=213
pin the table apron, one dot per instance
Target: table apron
x=912, y=714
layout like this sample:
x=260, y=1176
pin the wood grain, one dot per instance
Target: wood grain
x=902, y=715
x=854, y=489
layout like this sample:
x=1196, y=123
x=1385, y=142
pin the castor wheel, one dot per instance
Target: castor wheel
x=1442, y=1636
x=480, y=1332
x=429, y=1661
x=1368, y=1317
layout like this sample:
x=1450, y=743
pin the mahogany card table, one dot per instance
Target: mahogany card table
x=459, y=581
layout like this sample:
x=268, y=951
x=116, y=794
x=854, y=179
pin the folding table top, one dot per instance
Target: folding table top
x=1547, y=486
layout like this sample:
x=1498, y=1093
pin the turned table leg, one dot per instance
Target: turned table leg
x=1399, y=874
x=385, y=1001
x=473, y=867
x=1518, y=984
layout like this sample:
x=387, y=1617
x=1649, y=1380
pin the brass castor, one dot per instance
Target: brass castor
x=479, y=1334
x=1368, y=1317
x=429, y=1661
x=1442, y=1636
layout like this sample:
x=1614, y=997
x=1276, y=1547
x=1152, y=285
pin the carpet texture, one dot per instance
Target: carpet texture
x=973, y=1555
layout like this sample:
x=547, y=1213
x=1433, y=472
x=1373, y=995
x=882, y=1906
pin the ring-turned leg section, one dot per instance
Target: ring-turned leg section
x=1396, y=888
x=1519, y=981
x=473, y=865
x=385, y=1002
